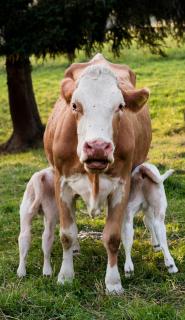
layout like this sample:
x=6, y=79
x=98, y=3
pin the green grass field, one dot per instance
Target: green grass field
x=152, y=293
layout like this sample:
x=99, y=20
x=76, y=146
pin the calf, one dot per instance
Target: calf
x=39, y=197
x=39, y=194
x=147, y=193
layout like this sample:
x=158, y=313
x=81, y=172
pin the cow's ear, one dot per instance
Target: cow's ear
x=67, y=89
x=135, y=99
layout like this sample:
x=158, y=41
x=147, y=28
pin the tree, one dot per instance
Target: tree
x=145, y=22
x=15, y=46
x=42, y=27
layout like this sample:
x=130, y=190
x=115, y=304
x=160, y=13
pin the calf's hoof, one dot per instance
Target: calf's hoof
x=76, y=249
x=157, y=247
x=21, y=272
x=129, y=274
x=129, y=269
x=172, y=268
x=47, y=270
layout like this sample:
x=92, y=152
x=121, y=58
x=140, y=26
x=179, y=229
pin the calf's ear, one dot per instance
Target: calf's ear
x=67, y=89
x=135, y=99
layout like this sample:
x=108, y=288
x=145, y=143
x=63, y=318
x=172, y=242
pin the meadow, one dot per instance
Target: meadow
x=152, y=293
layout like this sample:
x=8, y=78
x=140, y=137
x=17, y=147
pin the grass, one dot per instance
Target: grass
x=151, y=293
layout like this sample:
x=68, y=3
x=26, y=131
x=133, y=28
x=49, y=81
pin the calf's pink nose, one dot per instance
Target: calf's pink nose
x=91, y=147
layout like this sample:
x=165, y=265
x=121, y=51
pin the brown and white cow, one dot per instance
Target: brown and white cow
x=97, y=133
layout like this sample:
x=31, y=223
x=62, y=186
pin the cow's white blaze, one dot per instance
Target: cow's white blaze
x=100, y=97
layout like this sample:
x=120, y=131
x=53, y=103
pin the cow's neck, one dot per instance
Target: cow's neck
x=93, y=188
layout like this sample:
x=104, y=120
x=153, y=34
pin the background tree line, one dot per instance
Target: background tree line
x=41, y=27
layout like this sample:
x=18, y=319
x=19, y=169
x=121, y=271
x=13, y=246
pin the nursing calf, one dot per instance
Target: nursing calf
x=39, y=198
x=39, y=195
x=147, y=194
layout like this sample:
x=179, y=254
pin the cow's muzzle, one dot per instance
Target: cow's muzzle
x=98, y=154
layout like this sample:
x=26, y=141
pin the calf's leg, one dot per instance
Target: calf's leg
x=160, y=231
x=148, y=221
x=47, y=243
x=24, y=239
x=127, y=236
x=68, y=229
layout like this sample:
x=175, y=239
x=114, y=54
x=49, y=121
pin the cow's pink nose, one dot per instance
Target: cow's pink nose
x=97, y=147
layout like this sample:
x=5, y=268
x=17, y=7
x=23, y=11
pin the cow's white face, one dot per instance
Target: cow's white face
x=95, y=102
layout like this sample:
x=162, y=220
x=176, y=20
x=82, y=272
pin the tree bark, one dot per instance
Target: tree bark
x=27, y=126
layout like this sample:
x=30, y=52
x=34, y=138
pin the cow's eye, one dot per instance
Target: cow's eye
x=121, y=107
x=74, y=106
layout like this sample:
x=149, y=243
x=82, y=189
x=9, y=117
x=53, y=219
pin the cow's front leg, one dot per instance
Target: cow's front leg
x=68, y=230
x=111, y=239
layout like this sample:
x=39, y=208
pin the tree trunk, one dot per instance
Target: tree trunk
x=27, y=126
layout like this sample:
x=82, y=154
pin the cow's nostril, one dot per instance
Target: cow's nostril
x=108, y=147
x=87, y=147
x=97, y=148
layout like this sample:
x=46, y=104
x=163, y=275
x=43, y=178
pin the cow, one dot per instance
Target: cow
x=98, y=131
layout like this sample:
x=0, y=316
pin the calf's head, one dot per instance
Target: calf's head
x=96, y=102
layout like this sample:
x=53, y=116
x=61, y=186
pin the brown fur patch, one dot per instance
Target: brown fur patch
x=43, y=178
x=94, y=179
x=95, y=185
x=66, y=241
x=113, y=244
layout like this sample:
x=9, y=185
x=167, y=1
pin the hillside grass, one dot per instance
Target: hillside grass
x=152, y=293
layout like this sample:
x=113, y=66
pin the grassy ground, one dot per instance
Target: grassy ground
x=151, y=293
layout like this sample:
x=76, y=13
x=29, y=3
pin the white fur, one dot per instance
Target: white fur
x=98, y=93
x=154, y=207
x=35, y=196
x=81, y=185
x=98, y=56
x=112, y=280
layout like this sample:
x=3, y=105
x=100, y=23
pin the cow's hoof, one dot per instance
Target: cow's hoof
x=172, y=268
x=114, y=288
x=21, y=272
x=47, y=270
x=65, y=278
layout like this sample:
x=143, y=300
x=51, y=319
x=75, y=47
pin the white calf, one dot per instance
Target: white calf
x=38, y=197
x=39, y=194
x=147, y=194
